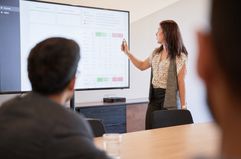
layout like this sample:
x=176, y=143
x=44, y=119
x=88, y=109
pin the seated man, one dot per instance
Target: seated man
x=37, y=125
x=219, y=65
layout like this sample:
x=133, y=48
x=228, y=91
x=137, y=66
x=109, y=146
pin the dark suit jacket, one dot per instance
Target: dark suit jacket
x=34, y=127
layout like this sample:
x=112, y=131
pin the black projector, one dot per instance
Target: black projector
x=114, y=99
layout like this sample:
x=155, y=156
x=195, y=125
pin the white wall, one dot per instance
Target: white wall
x=144, y=7
x=190, y=15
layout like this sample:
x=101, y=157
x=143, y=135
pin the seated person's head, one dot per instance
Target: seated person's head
x=219, y=65
x=52, y=65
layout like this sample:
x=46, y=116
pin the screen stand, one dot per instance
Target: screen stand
x=72, y=104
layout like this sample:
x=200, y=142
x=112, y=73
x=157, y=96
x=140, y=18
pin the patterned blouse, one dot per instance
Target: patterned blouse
x=160, y=68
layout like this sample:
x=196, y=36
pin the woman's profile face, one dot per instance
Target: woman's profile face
x=160, y=36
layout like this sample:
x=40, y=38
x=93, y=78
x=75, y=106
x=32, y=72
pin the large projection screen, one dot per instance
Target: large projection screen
x=98, y=31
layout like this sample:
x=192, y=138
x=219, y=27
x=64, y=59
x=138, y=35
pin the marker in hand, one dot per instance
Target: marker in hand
x=123, y=45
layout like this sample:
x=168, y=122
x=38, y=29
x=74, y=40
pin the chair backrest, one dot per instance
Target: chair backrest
x=97, y=126
x=166, y=118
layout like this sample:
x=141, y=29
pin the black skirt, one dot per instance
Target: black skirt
x=156, y=103
x=157, y=99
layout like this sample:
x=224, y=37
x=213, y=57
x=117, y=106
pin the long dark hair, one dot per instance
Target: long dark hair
x=173, y=39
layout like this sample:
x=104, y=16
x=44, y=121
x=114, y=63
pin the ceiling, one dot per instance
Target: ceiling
x=138, y=8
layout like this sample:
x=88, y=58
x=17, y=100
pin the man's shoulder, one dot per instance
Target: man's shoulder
x=40, y=109
x=11, y=103
x=74, y=122
x=42, y=113
x=52, y=125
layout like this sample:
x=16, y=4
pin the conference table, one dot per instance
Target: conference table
x=185, y=141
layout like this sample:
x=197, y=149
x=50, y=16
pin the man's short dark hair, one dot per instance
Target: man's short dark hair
x=226, y=33
x=52, y=64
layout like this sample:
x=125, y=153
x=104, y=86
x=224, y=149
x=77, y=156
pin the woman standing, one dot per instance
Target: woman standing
x=168, y=64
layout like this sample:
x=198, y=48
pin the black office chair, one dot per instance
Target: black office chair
x=166, y=118
x=97, y=126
